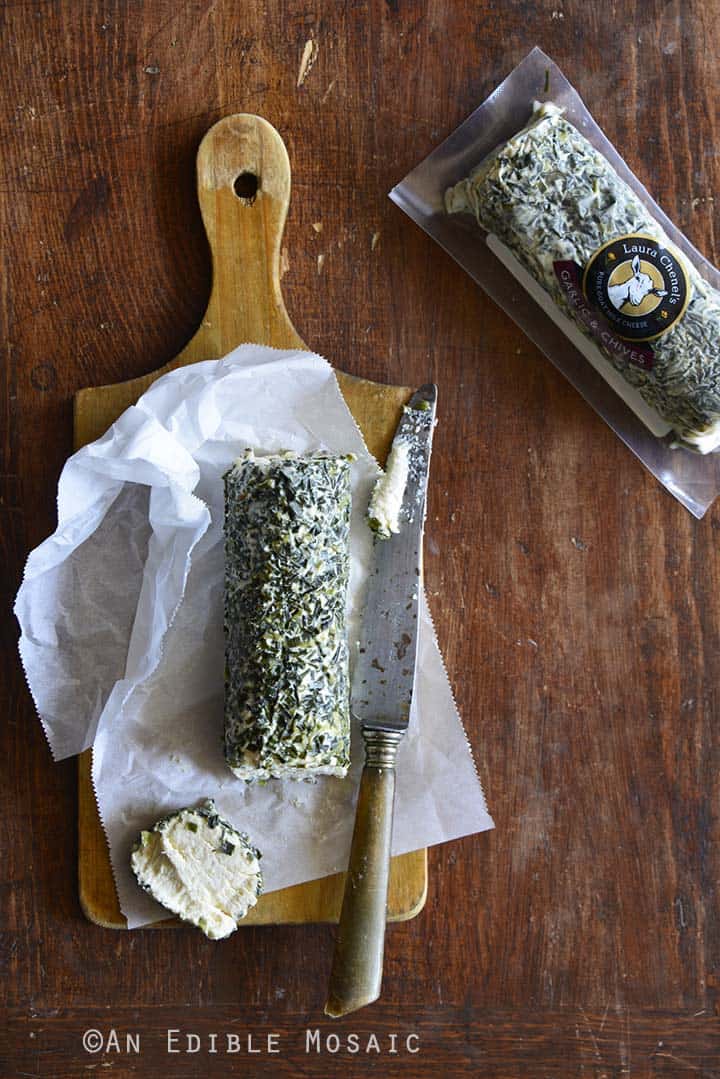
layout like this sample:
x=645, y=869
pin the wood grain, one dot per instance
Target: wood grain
x=575, y=600
x=246, y=304
x=540, y=1044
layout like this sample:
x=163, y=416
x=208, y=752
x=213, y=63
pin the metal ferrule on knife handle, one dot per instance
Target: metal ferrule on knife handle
x=356, y=975
x=381, y=747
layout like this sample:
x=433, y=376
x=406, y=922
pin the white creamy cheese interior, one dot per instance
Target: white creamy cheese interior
x=200, y=868
x=303, y=768
x=706, y=441
x=387, y=497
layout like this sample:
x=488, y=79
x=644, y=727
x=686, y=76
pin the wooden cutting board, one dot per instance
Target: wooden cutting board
x=243, y=177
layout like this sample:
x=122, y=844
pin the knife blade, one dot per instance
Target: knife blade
x=381, y=698
x=385, y=665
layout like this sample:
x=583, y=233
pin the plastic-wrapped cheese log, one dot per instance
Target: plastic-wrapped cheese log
x=287, y=523
x=553, y=199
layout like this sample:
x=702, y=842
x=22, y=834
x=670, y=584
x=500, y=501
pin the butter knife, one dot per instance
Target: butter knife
x=382, y=688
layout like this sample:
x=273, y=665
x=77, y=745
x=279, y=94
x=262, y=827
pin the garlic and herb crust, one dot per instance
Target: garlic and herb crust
x=287, y=561
x=550, y=197
x=199, y=867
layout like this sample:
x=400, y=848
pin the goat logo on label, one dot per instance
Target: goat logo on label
x=640, y=290
x=641, y=287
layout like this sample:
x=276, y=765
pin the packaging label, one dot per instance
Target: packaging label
x=640, y=287
x=570, y=279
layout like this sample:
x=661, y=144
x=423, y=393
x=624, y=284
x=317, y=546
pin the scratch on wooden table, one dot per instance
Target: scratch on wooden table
x=592, y=1034
x=686, y=1064
x=682, y=923
x=624, y=1047
x=308, y=58
x=607, y=1008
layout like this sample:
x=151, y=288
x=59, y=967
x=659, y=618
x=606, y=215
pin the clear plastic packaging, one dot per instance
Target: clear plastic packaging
x=569, y=342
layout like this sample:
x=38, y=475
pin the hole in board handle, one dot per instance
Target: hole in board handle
x=246, y=187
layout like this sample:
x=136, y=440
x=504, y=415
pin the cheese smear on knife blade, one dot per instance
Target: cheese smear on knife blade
x=387, y=497
x=287, y=562
x=200, y=868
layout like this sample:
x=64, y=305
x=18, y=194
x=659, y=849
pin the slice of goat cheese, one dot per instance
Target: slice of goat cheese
x=199, y=867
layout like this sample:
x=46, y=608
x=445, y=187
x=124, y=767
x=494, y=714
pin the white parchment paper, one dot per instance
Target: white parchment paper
x=121, y=626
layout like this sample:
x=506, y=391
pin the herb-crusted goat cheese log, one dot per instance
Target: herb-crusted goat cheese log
x=287, y=524
x=585, y=236
x=199, y=867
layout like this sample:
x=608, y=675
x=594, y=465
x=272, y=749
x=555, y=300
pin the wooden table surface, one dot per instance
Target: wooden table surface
x=574, y=598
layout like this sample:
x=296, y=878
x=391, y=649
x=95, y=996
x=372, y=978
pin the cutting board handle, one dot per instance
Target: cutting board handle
x=243, y=179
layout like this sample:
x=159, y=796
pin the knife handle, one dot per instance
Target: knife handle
x=356, y=974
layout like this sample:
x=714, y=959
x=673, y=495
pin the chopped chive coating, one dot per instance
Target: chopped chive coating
x=287, y=523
